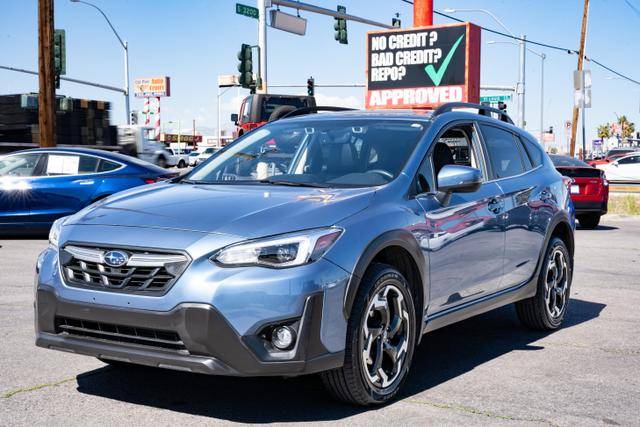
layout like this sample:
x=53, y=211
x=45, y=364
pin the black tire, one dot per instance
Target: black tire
x=351, y=382
x=589, y=221
x=162, y=162
x=182, y=164
x=535, y=312
x=281, y=111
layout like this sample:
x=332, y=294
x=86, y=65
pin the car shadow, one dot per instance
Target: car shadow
x=600, y=228
x=448, y=353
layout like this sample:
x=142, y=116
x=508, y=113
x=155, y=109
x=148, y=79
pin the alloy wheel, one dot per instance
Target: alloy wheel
x=385, y=337
x=556, y=284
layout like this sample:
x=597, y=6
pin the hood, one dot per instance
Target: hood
x=242, y=210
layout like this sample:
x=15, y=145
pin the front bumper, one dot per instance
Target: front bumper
x=212, y=345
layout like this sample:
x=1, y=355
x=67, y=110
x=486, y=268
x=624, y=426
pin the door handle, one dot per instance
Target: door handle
x=84, y=181
x=494, y=205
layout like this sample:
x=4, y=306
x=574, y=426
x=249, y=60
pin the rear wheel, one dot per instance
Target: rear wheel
x=162, y=162
x=182, y=164
x=589, y=221
x=546, y=309
x=381, y=336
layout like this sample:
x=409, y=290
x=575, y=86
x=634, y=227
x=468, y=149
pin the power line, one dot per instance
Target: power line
x=548, y=46
x=635, y=9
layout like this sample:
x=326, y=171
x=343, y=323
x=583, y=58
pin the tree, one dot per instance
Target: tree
x=604, y=131
x=626, y=127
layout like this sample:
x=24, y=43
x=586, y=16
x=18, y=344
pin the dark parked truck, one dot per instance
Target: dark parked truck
x=321, y=243
x=258, y=109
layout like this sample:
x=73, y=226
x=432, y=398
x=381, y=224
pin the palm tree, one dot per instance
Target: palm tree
x=604, y=131
x=626, y=127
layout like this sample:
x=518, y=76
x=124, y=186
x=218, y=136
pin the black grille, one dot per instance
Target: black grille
x=120, y=333
x=133, y=279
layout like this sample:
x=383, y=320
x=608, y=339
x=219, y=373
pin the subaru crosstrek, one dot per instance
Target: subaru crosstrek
x=324, y=243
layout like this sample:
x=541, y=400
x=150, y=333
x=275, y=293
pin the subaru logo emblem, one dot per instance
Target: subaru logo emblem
x=115, y=258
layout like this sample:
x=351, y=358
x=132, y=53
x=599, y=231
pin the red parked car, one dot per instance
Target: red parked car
x=258, y=109
x=613, y=154
x=589, y=190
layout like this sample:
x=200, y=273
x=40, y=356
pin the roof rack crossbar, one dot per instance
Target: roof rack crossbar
x=483, y=110
x=308, y=110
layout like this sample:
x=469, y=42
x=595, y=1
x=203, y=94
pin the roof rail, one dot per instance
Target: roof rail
x=307, y=110
x=483, y=110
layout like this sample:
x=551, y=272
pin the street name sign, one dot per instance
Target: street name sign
x=494, y=99
x=423, y=67
x=250, y=11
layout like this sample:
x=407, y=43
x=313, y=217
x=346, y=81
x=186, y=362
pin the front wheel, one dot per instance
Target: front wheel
x=381, y=336
x=546, y=309
x=182, y=164
x=162, y=162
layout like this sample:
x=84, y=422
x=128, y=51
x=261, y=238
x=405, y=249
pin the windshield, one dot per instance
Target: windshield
x=327, y=153
x=567, y=161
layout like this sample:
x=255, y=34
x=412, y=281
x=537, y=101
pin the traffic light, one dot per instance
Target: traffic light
x=502, y=106
x=59, y=54
x=245, y=67
x=395, y=22
x=134, y=117
x=310, y=86
x=341, y=27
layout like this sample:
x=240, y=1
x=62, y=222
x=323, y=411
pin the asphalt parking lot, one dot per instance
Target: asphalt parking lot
x=486, y=370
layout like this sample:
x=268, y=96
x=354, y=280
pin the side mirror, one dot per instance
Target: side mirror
x=615, y=163
x=457, y=179
x=234, y=118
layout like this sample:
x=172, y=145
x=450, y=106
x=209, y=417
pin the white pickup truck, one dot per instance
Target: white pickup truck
x=134, y=141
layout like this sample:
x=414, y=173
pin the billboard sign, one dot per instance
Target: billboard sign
x=189, y=139
x=423, y=67
x=152, y=87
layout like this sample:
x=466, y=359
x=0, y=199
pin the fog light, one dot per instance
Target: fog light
x=283, y=337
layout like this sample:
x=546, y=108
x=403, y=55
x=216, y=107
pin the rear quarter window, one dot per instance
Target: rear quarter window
x=504, y=154
x=534, y=151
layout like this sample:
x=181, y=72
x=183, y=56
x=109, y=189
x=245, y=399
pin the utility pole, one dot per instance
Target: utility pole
x=422, y=13
x=520, y=88
x=262, y=45
x=583, y=37
x=47, y=93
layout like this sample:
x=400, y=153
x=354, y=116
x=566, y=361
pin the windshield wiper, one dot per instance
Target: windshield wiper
x=293, y=183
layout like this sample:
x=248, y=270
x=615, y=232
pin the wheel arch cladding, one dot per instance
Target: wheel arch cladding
x=400, y=250
x=563, y=231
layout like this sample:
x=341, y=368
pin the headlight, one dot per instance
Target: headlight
x=287, y=250
x=54, y=233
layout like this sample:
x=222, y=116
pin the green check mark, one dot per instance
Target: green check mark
x=436, y=76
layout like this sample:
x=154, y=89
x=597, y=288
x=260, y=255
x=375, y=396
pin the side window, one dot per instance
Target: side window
x=458, y=145
x=245, y=115
x=69, y=164
x=533, y=151
x=107, y=166
x=19, y=165
x=502, y=151
x=629, y=160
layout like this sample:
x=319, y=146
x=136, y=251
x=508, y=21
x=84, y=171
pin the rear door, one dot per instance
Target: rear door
x=17, y=179
x=466, y=245
x=515, y=172
x=68, y=184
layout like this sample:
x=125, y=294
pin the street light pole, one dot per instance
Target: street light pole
x=125, y=46
x=542, y=57
x=520, y=88
x=262, y=44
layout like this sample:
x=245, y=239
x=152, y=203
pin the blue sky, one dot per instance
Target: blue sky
x=193, y=41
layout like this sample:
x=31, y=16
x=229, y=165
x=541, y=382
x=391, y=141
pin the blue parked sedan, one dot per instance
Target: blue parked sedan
x=41, y=185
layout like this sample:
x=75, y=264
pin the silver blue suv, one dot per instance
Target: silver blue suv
x=322, y=243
